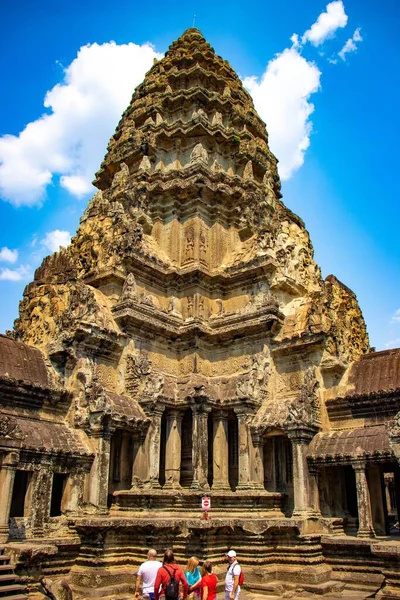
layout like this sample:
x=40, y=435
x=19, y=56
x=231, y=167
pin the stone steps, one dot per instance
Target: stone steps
x=10, y=588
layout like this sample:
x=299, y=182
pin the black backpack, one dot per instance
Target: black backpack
x=172, y=587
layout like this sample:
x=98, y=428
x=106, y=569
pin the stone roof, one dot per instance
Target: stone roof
x=22, y=362
x=376, y=372
x=350, y=444
x=43, y=436
x=126, y=409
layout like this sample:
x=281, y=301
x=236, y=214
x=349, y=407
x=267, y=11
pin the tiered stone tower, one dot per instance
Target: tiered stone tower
x=198, y=343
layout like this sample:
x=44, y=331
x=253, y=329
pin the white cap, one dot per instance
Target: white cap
x=231, y=554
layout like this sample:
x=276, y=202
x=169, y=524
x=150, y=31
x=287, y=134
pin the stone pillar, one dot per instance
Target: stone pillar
x=220, y=452
x=173, y=449
x=97, y=483
x=39, y=501
x=365, y=527
x=7, y=475
x=245, y=447
x=314, y=491
x=257, y=460
x=200, y=447
x=140, y=470
x=377, y=500
x=73, y=493
x=396, y=473
x=153, y=441
x=300, y=439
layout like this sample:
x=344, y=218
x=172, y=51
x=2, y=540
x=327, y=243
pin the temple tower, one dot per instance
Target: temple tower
x=191, y=292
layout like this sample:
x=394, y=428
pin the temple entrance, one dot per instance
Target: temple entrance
x=278, y=468
x=186, y=477
x=19, y=495
x=121, y=461
x=338, y=495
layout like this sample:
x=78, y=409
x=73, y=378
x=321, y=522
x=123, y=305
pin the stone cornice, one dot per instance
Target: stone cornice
x=131, y=315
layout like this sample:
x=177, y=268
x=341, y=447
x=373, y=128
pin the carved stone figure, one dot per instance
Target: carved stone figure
x=129, y=289
x=220, y=309
x=189, y=307
x=203, y=246
x=174, y=307
x=189, y=248
x=201, y=307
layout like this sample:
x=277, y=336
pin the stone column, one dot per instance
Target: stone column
x=257, y=461
x=245, y=447
x=97, y=483
x=173, y=449
x=397, y=490
x=365, y=527
x=153, y=441
x=7, y=475
x=140, y=461
x=300, y=439
x=39, y=500
x=200, y=447
x=377, y=500
x=220, y=452
x=314, y=491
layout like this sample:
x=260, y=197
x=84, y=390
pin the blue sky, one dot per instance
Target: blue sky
x=332, y=115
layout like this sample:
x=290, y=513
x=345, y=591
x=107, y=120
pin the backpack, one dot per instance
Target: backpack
x=241, y=575
x=172, y=587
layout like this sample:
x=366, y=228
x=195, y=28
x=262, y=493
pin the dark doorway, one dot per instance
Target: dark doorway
x=20, y=488
x=59, y=480
x=186, y=478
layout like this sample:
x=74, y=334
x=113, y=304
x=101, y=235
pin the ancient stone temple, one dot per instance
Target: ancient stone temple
x=183, y=345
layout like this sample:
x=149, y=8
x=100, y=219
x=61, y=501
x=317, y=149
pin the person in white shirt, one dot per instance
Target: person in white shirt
x=232, y=587
x=146, y=575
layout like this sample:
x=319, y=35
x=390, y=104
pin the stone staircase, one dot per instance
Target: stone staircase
x=10, y=586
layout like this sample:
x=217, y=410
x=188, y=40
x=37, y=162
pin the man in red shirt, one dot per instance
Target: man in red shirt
x=164, y=573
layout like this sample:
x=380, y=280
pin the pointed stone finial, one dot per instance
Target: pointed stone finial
x=227, y=92
x=217, y=119
x=149, y=121
x=199, y=154
x=159, y=119
x=248, y=171
x=145, y=164
x=121, y=176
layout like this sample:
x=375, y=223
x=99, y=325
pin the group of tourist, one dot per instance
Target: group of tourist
x=168, y=581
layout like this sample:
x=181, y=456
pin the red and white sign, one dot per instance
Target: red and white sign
x=205, y=503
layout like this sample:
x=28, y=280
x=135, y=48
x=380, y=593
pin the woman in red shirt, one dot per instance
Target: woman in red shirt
x=208, y=582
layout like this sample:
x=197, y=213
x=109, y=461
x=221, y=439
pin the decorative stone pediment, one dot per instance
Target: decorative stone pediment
x=304, y=411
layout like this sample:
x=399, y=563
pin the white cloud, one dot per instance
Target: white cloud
x=7, y=255
x=282, y=99
x=351, y=44
x=54, y=239
x=393, y=343
x=24, y=272
x=396, y=317
x=70, y=141
x=327, y=24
